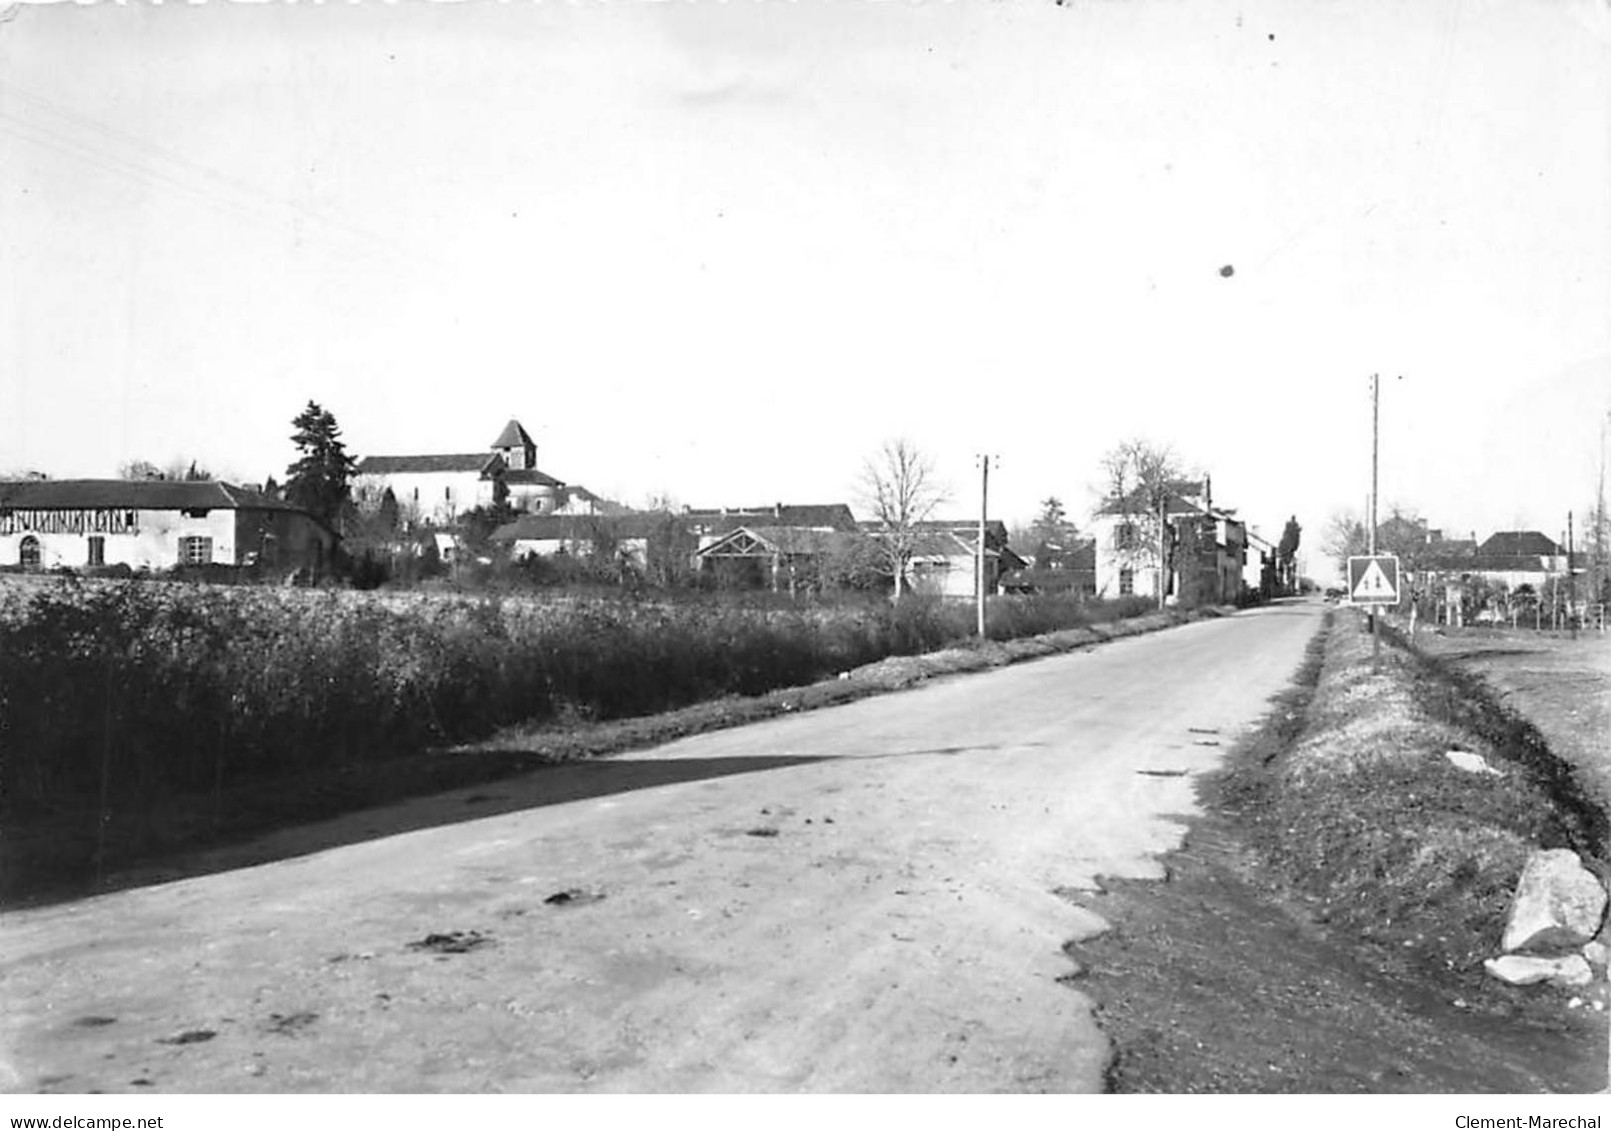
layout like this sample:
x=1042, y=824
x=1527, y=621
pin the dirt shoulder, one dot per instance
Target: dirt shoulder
x=1323, y=928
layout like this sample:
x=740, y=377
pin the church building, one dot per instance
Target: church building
x=433, y=490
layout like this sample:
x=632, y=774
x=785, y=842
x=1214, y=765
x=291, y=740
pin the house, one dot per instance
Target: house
x=1205, y=547
x=1259, y=571
x=945, y=562
x=1058, y=568
x=434, y=490
x=1509, y=558
x=944, y=557
x=618, y=536
x=155, y=524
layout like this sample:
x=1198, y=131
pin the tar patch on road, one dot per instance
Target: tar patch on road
x=574, y=897
x=452, y=942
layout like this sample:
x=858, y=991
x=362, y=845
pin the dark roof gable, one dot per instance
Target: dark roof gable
x=513, y=436
x=135, y=494
x=1519, y=543
x=827, y=516
x=402, y=465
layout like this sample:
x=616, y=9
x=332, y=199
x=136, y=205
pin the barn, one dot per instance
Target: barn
x=154, y=524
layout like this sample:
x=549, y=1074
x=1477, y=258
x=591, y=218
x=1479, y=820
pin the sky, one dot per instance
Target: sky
x=723, y=252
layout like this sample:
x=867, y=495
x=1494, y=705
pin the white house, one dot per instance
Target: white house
x=154, y=524
x=1205, y=546
x=623, y=536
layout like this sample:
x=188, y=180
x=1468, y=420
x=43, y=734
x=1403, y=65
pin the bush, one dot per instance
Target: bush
x=147, y=688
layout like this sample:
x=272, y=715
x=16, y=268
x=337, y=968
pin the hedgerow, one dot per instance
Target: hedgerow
x=114, y=691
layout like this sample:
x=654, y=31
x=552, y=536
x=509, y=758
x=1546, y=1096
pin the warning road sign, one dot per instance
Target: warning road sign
x=1373, y=581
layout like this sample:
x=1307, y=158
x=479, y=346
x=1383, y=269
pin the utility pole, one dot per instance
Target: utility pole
x=1375, y=432
x=1163, y=549
x=1571, y=579
x=979, y=566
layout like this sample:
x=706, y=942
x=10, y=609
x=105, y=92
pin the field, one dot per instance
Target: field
x=1560, y=685
x=120, y=700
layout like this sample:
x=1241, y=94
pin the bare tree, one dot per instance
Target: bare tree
x=1141, y=477
x=176, y=470
x=898, y=487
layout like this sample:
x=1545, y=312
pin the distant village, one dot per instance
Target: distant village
x=495, y=505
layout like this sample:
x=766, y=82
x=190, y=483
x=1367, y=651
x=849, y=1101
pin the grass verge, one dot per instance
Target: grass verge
x=1322, y=927
x=1349, y=794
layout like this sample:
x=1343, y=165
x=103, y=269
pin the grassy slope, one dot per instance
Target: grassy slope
x=1358, y=808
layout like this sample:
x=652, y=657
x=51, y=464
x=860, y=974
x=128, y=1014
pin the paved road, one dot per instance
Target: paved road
x=862, y=898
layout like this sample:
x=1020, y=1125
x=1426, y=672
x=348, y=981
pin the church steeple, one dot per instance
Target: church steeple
x=515, y=444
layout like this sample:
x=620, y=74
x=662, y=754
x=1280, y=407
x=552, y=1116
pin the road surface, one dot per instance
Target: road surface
x=871, y=897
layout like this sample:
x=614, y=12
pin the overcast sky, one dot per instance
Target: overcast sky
x=723, y=251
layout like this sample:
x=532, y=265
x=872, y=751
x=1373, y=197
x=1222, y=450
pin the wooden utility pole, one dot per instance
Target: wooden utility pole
x=979, y=567
x=1375, y=431
x=1571, y=580
x=1163, y=547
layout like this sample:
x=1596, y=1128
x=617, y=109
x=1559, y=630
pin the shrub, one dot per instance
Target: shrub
x=138, y=689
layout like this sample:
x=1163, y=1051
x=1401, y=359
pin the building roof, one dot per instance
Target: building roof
x=530, y=476
x=135, y=494
x=1185, y=497
x=786, y=540
x=579, y=527
x=513, y=436
x=1517, y=543
x=404, y=465
x=821, y=516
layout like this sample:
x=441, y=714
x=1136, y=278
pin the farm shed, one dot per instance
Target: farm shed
x=780, y=557
x=615, y=536
x=154, y=524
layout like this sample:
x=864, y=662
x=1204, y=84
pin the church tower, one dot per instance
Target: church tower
x=515, y=445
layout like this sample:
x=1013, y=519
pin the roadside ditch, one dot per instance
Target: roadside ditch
x=1325, y=926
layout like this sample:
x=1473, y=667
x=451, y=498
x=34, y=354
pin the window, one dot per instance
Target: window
x=97, y=551
x=29, y=553
x=1124, y=536
x=195, y=550
x=1127, y=582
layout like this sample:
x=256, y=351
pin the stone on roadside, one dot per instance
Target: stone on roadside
x=1596, y=953
x=1472, y=763
x=1558, y=903
x=1524, y=970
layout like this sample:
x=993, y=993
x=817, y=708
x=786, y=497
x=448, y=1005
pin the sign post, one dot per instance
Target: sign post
x=1373, y=581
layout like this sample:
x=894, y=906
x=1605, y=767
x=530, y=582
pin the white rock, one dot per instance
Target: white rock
x=1524, y=970
x=1558, y=903
x=1472, y=763
x=1596, y=953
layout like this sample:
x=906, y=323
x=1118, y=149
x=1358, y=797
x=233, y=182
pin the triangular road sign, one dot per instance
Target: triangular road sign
x=1373, y=580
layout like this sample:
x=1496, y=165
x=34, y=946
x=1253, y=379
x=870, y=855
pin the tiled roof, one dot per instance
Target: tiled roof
x=579, y=527
x=1515, y=543
x=403, y=465
x=530, y=476
x=1185, y=497
x=827, y=516
x=137, y=494
x=513, y=436
x=788, y=539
